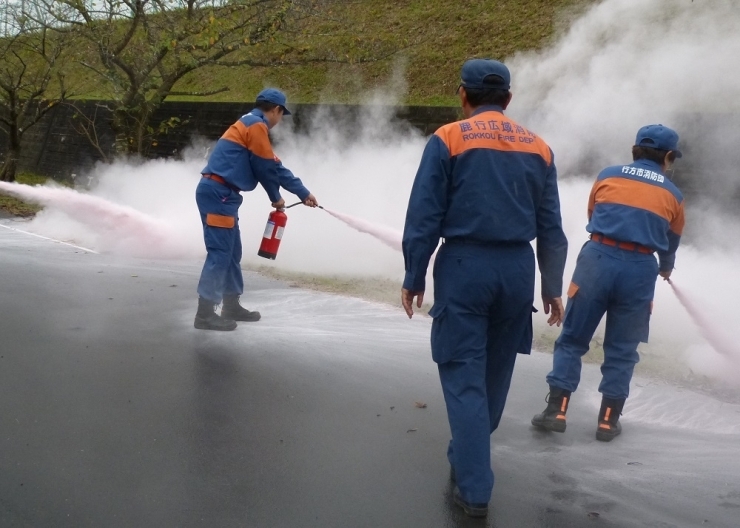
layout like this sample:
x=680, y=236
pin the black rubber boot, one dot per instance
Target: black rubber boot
x=553, y=417
x=233, y=310
x=609, y=425
x=471, y=509
x=207, y=319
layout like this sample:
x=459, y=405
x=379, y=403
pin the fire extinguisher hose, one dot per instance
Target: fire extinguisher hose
x=299, y=203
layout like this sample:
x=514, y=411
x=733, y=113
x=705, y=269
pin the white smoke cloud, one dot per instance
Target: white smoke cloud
x=136, y=209
x=621, y=65
x=627, y=63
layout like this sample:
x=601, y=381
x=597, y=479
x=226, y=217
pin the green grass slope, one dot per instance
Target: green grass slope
x=434, y=38
x=431, y=39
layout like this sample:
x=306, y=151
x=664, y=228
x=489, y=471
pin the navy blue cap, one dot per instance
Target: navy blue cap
x=485, y=74
x=274, y=96
x=658, y=137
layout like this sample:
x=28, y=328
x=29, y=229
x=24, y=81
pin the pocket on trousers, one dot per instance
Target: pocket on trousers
x=525, y=347
x=437, y=310
x=441, y=351
x=216, y=220
x=572, y=290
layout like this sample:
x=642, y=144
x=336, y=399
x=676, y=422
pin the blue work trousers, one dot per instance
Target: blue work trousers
x=621, y=284
x=222, y=273
x=482, y=318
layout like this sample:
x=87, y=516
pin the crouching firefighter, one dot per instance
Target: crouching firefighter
x=634, y=211
x=241, y=159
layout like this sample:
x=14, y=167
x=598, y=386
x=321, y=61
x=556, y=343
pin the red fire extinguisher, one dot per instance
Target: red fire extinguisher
x=273, y=234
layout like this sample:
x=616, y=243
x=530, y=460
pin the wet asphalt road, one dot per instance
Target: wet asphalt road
x=114, y=412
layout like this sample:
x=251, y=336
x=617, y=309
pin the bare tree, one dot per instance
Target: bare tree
x=141, y=48
x=29, y=60
x=87, y=125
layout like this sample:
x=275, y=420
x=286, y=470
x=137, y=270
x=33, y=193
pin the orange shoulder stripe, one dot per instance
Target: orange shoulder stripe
x=495, y=131
x=641, y=195
x=253, y=137
x=237, y=133
x=592, y=200
x=679, y=221
x=258, y=142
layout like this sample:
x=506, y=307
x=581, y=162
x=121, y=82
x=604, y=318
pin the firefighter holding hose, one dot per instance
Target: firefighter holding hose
x=634, y=211
x=241, y=159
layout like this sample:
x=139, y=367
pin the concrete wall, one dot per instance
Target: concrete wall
x=57, y=146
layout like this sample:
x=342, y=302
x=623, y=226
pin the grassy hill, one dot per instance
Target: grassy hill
x=433, y=38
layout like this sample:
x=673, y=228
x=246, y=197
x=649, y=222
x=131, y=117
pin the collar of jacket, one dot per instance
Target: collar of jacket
x=647, y=164
x=487, y=108
x=259, y=113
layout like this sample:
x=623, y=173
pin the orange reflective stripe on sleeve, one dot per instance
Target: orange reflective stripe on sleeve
x=216, y=220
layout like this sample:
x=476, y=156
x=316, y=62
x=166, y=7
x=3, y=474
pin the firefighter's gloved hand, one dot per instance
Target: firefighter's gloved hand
x=280, y=204
x=311, y=201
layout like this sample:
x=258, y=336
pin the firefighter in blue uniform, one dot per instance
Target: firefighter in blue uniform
x=241, y=159
x=488, y=187
x=634, y=211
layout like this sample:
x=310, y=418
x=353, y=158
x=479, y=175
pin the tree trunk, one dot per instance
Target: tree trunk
x=7, y=173
x=131, y=126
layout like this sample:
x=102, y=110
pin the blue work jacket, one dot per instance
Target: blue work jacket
x=243, y=157
x=638, y=203
x=485, y=179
